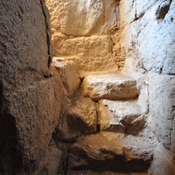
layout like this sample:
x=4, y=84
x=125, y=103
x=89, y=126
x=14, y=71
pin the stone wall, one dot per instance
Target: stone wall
x=143, y=37
x=137, y=36
x=82, y=29
x=30, y=99
x=147, y=37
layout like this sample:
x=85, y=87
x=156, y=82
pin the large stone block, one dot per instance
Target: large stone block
x=119, y=116
x=91, y=53
x=83, y=18
x=36, y=111
x=29, y=107
x=113, y=86
x=153, y=33
x=74, y=17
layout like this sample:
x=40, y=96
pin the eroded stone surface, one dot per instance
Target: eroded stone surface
x=81, y=118
x=107, y=120
x=162, y=100
x=68, y=74
x=51, y=162
x=120, y=115
x=36, y=110
x=109, y=86
x=79, y=18
x=91, y=53
x=30, y=103
x=136, y=125
x=96, y=152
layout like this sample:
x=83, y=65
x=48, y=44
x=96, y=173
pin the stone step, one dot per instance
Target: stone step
x=120, y=116
x=108, y=151
x=113, y=86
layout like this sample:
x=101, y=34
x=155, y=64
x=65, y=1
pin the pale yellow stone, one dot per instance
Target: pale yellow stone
x=68, y=73
x=113, y=86
x=91, y=53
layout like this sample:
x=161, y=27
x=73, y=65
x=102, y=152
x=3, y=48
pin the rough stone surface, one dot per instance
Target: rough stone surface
x=30, y=103
x=162, y=101
x=51, y=162
x=97, y=152
x=100, y=36
x=68, y=73
x=125, y=111
x=91, y=53
x=107, y=120
x=136, y=125
x=79, y=18
x=81, y=118
x=75, y=17
x=109, y=86
x=120, y=115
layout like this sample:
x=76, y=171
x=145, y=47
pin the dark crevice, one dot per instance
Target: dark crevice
x=1, y=97
x=163, y=10
x=160, y=72
x=10, y=151
x=48, y=31
x=138, y=17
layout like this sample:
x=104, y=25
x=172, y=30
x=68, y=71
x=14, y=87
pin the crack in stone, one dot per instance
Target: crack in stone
x=48, y=31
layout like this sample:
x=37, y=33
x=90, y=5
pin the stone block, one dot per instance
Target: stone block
x=91, y=53
x=68, y=73
x=109, y=86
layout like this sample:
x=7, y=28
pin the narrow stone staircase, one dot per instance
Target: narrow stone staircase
x=104, y=122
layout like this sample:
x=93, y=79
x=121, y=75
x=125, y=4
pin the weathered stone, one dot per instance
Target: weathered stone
x=68, y=73
x=75, y=17
x=36, y=111
x=136, y=125
x=81, y=118
x=107, y=120
x=51, y=162
x=162, y=100
x=95, y=152
x=112, y=86
x=125, y=114
x=30, y=103
x=91, y=53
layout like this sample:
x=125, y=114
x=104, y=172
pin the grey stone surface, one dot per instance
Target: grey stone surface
x=30, y=103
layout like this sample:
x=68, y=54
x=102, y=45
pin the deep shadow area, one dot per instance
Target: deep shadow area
x=163, y=10
x=10, y=156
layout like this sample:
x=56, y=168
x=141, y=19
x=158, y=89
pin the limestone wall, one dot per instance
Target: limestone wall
x=147, y=37
x=30, y=99
x=86, y=25
x=143, y=37
x=36, y=116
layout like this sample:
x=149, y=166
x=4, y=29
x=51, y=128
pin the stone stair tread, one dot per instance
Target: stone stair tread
x=110, y=153
x=124, y=111
x=107, y=120
x=120, y=116
x=112, y=86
